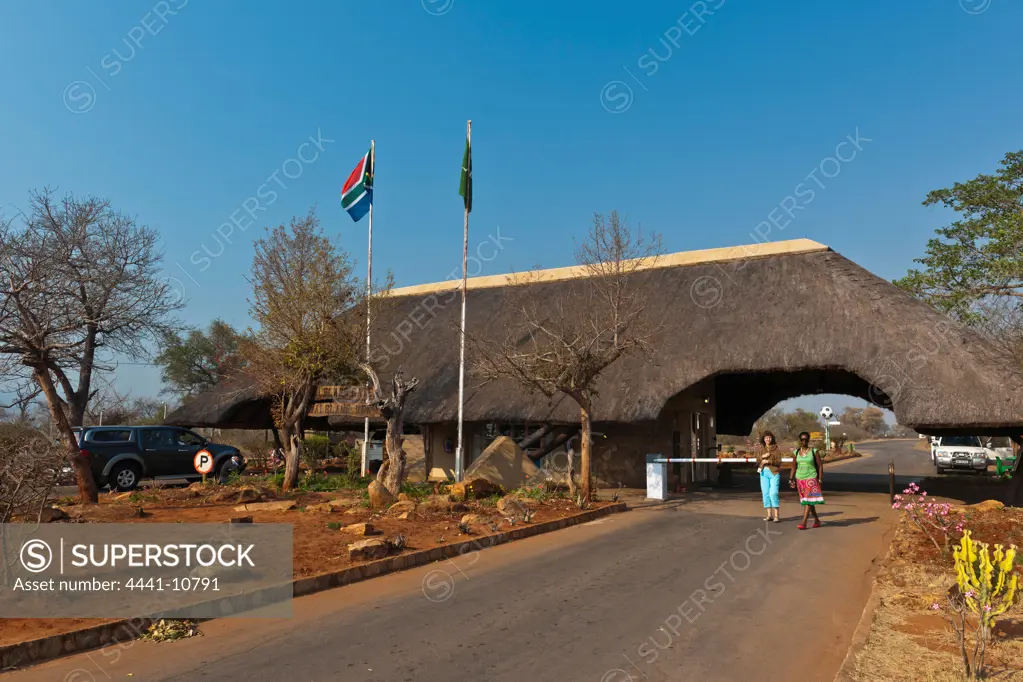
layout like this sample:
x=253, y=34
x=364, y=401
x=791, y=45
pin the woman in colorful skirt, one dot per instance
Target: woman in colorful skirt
x=807, y=475
x=770, y=475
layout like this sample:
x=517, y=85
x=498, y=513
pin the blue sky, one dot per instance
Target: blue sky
x=696, y=119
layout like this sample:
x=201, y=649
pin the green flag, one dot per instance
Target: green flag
x=465, y=184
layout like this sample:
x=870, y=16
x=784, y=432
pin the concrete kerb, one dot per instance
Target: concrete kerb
x=119, y=631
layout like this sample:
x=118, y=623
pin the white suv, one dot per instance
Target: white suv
x=960, y=452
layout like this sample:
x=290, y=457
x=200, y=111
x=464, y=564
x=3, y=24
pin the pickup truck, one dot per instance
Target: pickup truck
x=121, y=456
x=960, y=452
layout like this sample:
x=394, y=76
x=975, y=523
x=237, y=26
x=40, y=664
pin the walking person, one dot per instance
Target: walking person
x=770, y=476
x=807, y=476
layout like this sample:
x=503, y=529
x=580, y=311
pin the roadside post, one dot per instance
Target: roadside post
x=203, y=463
x=891, y=480
x=656, y=477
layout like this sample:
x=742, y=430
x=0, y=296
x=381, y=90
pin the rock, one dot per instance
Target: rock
x=283, y=505
x=511, y=505
x=338, y=504
x=51, y=514
x=477, y=488
x=351, y=511
x=242, y=519
x=503, y=463
x=403, y=497
x=379, y=496
x=986, y=505
x=367, y=550
x=403, y=507
x=248, y=495
x=441, y=503
x=403, y=516
x=325, y=508
x=360, y=529
x=474, y=520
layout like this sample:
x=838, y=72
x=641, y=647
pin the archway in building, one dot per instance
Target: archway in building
x=743, y=397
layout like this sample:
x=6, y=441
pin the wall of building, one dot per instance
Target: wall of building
x=619, y=450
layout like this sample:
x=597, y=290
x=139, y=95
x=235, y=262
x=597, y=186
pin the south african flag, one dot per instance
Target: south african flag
x=357, y=192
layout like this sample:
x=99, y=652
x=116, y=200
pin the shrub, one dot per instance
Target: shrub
x=987, y=585
x=315, y=449
x=31, y=465
x=934, y=519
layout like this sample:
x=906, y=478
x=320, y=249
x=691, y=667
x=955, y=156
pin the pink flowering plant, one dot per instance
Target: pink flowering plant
x=935, y=519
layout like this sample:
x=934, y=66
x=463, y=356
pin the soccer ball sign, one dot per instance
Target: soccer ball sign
x=827, y=413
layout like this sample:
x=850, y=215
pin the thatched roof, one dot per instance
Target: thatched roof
x=764, y=323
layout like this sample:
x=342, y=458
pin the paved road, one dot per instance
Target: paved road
x=910, y=463
x=693, y=589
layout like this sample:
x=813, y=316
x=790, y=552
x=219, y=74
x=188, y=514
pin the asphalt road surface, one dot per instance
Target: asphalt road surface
x=691, y=589
x=910, y=463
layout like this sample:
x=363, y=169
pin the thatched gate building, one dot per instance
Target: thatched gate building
x=745, y=328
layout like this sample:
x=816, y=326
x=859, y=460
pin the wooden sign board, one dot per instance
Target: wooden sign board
x=343, y=409
x=343, y=393
x=816, y=435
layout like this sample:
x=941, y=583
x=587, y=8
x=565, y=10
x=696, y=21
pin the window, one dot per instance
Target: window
x=108, y=436
x=961, y=441
x=159, y=438
x=189, y=438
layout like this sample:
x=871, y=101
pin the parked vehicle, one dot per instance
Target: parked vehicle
x=960, y=452
x=375, y=451
x=121, y=456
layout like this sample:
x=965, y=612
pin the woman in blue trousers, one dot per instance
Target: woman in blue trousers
x=770, y=475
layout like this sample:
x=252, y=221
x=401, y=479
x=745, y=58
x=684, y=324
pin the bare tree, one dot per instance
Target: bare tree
x=561, y=344
x=392, y=407
x=79, y=284
x=306, y=303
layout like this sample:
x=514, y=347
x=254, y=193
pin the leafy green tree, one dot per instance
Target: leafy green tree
x=197, y=361
x=973, y=268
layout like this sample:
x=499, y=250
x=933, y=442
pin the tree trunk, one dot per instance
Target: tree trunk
x=87, y=491
x=277, y=438
x=393, y=475
x=292, y=457
x=585, y=447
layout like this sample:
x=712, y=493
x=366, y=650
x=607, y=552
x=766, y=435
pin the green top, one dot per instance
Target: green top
x=806, y=467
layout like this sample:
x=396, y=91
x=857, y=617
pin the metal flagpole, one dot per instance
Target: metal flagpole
x=459, y=451
x=369, y=293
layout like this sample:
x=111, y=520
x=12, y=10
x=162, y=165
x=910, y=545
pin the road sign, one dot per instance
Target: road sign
x=203, y=462
x=816, y=435
x=834, y=423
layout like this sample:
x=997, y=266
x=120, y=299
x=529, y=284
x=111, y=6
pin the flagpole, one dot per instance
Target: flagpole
x=369, y=293
x=459, y=451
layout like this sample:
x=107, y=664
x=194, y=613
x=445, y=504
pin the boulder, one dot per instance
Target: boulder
x=441, y=503
x=403, y=516
x=503, y=463
x=986, y=505
x=379, y=496
x=282, y=505
x=403, y=507
x=514, y=505
x=477, y=488
x=248, y=495
x=367, y=550
x=474, y=520
x=51, y=514
x=325, y=508
x=360, y=529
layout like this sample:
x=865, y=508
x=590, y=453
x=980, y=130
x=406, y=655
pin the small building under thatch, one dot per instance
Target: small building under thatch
x=744, y=328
